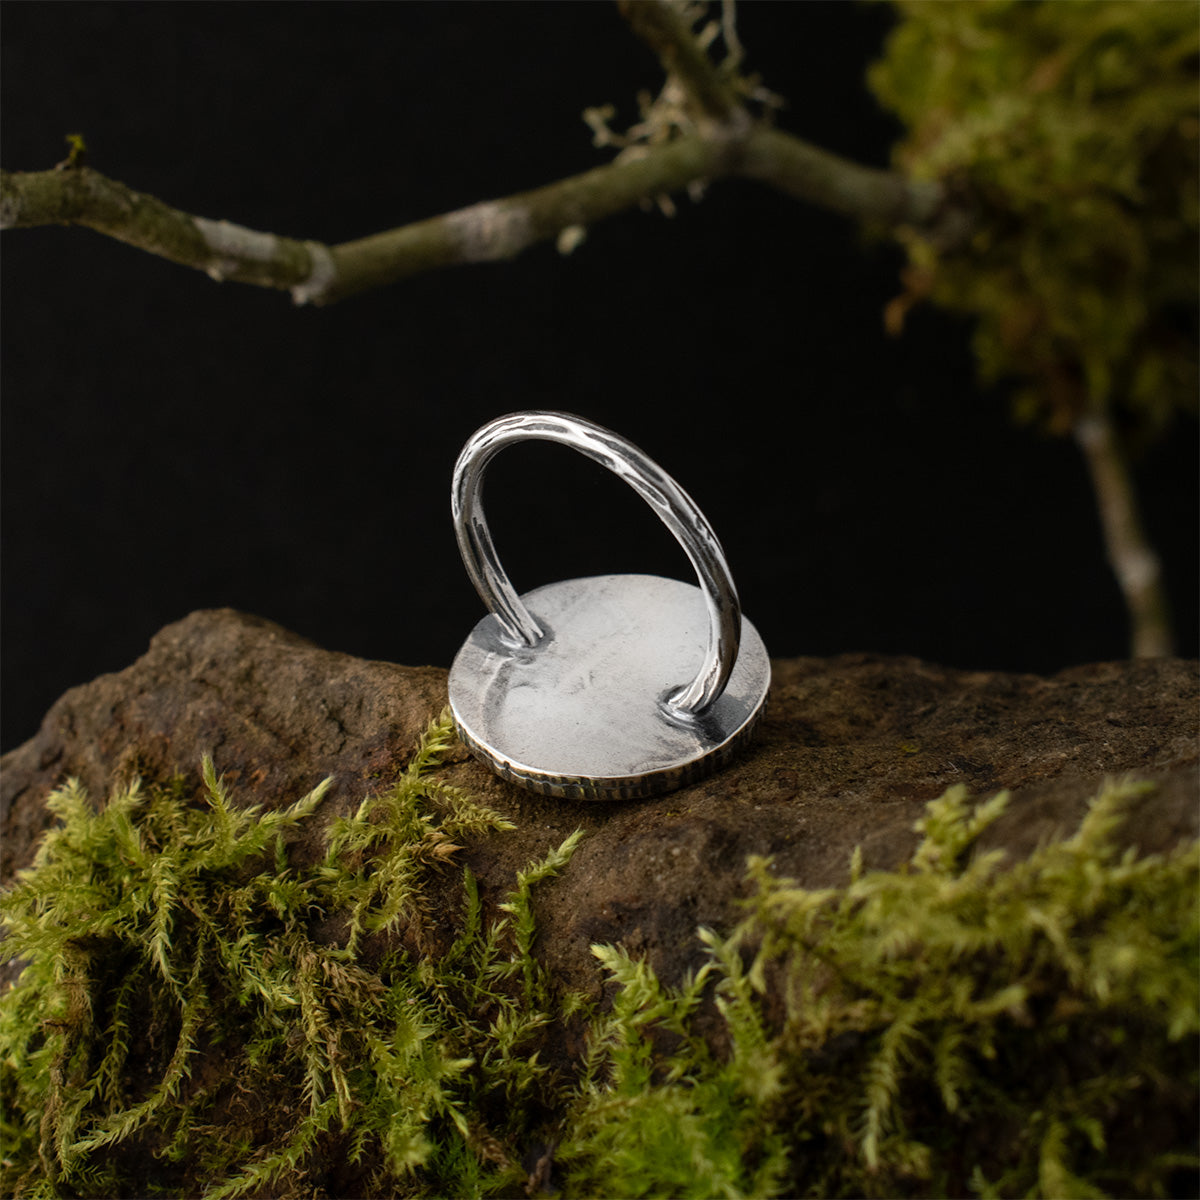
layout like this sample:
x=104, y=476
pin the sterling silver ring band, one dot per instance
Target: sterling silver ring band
x=674, y=507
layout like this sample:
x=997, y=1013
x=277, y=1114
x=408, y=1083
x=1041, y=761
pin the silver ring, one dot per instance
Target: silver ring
x=675, y=508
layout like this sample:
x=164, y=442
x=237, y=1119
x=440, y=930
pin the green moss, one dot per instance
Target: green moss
x=179, y=1028
x=169, y=931
x=948, y=1028
x=1072, y=132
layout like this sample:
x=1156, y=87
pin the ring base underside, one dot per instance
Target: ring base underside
x=581, y=714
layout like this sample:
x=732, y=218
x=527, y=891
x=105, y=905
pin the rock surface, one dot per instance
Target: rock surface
x=849, y=752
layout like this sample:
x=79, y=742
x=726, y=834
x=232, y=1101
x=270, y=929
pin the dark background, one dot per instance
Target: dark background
x=170, y=444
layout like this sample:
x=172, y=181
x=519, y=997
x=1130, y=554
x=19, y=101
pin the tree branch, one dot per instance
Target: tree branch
x=818, y=177
x=501, y=229
x=707, y=137
x=319, y=274
x=492, y=230
x=662, y=28
x=77, y=195
x=1133, y=559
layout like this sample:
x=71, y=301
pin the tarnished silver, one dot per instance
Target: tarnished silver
x=612, y=687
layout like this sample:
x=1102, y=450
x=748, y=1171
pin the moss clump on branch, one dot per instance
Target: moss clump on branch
x=1073, y=131
x=953, y=1025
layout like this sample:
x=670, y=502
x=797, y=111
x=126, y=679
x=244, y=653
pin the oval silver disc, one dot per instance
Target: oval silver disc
x=581, y=715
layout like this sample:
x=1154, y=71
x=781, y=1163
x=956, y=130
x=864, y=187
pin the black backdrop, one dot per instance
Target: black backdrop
x=171, y=444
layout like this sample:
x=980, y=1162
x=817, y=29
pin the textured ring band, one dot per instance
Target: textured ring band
x=675, y=509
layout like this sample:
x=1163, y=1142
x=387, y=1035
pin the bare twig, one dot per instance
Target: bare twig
x=706, y=134
x=500, y=229
x=814, y=175
x=316, y=273
x=495, y=229
x=77, y=195
x=1133, y=559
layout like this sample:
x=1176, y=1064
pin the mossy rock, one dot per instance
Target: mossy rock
x=415, y=980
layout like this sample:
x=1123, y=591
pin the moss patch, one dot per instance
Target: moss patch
x=953, y=1026
x=1074, y=131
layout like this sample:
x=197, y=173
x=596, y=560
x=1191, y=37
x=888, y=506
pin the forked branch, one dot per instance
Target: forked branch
x=717, y=139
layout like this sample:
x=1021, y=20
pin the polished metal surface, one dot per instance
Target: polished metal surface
x=618, y=686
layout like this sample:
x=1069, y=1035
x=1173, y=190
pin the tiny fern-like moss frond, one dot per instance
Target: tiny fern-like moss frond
x=518, y=905
x=950, y=826
x=270, y=1168
x=119, y=1125
x=1106, y=812
x=753, y=1061
x=437, y=738
x=898, y=1046
x=466, y=815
